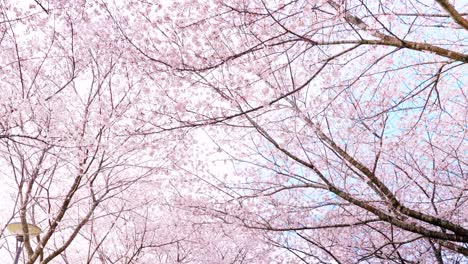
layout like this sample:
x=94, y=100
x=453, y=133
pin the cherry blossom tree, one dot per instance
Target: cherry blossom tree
x=76, y=160
x=342, y=123
x=235, y=131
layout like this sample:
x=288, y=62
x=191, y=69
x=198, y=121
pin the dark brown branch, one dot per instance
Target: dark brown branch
x=453, y=13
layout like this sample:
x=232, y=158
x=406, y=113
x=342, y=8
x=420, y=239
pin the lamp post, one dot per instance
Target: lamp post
x=17, y=230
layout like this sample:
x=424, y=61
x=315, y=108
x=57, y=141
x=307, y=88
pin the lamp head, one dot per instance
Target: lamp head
x=17, y=229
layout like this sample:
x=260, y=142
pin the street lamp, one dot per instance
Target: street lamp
x=17, y=230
